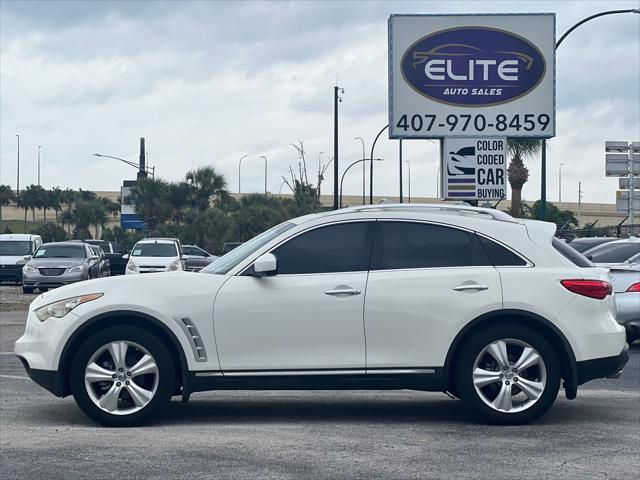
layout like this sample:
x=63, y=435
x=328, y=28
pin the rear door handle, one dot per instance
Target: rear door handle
x=470, y=286
x=343, y=291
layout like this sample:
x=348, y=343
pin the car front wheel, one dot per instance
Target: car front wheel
x=122, y=376
x=508, y=375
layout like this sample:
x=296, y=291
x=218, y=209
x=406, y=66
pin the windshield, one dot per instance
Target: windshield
x=15, y=248
x=614, y=253
x=226, y=262
x=154, y=250
x=60, y=251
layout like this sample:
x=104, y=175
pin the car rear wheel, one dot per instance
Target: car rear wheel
x=122, y=376
x=508, y=375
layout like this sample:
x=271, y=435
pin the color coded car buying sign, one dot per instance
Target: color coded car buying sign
x=472, y=75
x=474, y=168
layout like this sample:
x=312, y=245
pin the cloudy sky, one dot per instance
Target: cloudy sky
x=207, y=82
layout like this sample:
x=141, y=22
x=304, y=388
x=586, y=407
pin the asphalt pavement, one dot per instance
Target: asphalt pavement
x=301, y=434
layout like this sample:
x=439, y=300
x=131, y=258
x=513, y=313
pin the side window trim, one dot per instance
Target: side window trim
x=249, y=266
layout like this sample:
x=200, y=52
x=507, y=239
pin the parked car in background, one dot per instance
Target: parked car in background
x=425, y=297
x=15, y=250
x=115, y=253
x=195, y=258
x=60, y=263
x=155, y=255
x=622, y=258
x=105, y=265
x=227, y=247
x=582, y=244
x=614, y=253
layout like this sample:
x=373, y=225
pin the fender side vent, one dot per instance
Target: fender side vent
x=197, y=345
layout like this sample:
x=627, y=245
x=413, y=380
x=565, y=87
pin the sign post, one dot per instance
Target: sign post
x=622, y=159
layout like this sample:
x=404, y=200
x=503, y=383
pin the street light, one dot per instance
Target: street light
x=151, y=170
x=39, y=147
x=355, y=163
x=371, y=164
x=409, y=172
x=18, y=169
x=364, y=170
x=239, y=167
x=560, y=182
x=265, y=173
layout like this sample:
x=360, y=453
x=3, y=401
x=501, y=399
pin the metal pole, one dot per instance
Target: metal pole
x=142, y=171
x=631, y=188
x=364, y=170
x=371, y=164
x=39, y=147
x=579, y=203
x=347, y=169
x=438, y=179
x=18, y=170
x=585, y=20
x=543, y=183
x=335, y=148
x=560, y=183
x=400, y=158
x=239, y=171
x=409, y=172
x=265, y=173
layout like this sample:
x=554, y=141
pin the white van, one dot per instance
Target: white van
x=15, y=250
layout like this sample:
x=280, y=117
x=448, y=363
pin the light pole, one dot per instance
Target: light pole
x=409, y=179
x=18, y=169
x=364, y=169
x=265, y=172
x=39, y=147
x=371, y=164
x=239, y=170
x=543, y=173
x=336, y=99
x=355, y=163
x=151, y=170
x=560, y=183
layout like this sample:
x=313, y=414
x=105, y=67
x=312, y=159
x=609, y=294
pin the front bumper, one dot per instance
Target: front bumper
x=36, y=280
x=608, y=367
x=50, y=380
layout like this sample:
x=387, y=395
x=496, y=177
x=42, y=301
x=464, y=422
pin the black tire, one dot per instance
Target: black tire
x=27, y=290
x=163, y=360
x=464, y=375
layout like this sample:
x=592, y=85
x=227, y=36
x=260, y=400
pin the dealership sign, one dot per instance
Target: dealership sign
x=129, y=219
x=474, y=168
x=471, y=75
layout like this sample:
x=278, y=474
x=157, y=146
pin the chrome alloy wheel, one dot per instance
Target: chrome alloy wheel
x=121, y=377
x=509, y=375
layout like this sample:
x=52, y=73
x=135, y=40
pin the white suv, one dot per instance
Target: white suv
x=155, y=255
x=465, y=300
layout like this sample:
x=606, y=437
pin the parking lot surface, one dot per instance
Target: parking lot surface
x=300, y=434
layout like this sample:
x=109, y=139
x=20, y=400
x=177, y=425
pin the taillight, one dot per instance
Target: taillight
x=634, y=288
x=589, y=288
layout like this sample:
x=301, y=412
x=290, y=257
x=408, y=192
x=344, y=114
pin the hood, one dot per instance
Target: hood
x=12, y=259
x=55, y=262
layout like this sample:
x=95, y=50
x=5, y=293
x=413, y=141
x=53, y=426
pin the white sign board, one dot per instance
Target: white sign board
x=474, y=168
x=472, y=75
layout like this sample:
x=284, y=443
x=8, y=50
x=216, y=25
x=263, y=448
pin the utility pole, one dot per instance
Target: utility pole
x=39, y=147
x=142, y=170
x=336, y=100
x=18, y=170
x=543, y=184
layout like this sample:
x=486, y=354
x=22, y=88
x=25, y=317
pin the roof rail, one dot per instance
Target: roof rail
x=442, y=207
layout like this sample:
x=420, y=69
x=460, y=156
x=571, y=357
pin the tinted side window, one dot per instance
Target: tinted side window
x=499, y=255
x=118, y=248
x=344, y=247
x=419, y=245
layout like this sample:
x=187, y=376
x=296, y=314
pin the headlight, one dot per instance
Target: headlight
x=29, y=269
x=77, y=268
x=132, y=266
x=60, y=308
x=175, y=265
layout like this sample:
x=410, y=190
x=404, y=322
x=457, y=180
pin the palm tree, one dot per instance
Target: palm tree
x=149, y=198
x=68, y=218
x=55, y=201
x=518, y=173
x=6, y=197
x=206, y=183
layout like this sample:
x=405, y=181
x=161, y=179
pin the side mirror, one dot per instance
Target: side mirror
x=27, y=257
x=589, y=256
x=125, y=256
x=266, y=265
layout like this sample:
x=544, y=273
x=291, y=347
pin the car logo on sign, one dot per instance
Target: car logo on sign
x=473, y=66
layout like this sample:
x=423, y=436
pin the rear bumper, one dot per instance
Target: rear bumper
x=608, y=367
x=48, y=379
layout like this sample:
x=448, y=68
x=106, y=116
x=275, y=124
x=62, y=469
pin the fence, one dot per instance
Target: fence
x=619, y=231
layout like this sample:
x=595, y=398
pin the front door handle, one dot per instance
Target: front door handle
x=470, y=286
x=343, y=291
